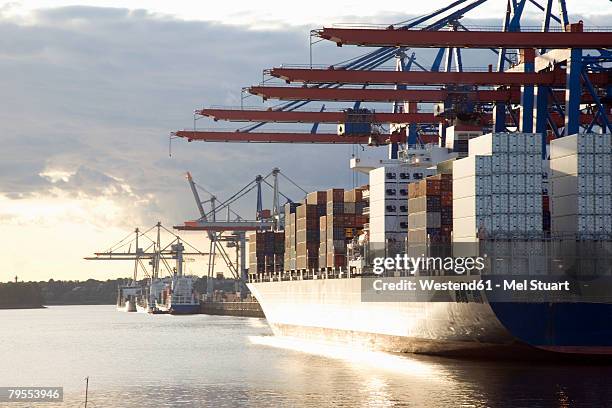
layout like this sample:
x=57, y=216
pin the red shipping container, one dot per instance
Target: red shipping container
x=446, y=198
x=335, y=195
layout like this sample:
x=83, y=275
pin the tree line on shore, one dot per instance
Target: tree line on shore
x=89, y=292
x=57, y=292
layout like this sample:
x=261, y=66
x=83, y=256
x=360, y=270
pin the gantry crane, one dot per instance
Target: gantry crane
x=157, y=253
x=548, y=80
x=215, y=226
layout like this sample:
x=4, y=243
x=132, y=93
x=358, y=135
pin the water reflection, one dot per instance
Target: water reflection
x=425, y=381
x=137, y=360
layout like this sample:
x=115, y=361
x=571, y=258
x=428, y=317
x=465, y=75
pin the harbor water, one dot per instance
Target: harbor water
x=137, y=360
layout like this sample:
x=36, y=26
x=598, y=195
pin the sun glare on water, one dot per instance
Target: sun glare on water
x=356, y=356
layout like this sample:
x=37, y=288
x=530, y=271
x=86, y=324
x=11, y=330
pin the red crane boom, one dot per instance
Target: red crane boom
x=387, y=95
x=391, y=37
x=287, y=137
x=343, y=76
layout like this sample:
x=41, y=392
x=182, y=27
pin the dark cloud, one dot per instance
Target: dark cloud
x=96, y=91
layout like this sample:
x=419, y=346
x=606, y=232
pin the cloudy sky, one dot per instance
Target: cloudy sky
x=91, y=90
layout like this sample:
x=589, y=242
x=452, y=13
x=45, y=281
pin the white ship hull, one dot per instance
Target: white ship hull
x=331, y=310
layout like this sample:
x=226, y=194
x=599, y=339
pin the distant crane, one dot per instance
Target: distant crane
x=238, y=226
x=157, y=254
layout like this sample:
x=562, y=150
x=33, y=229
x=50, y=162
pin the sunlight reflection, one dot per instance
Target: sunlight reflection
x=357, y=356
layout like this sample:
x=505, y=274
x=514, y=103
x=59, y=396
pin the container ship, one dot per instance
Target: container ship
x=501, y=193
x=498, y=169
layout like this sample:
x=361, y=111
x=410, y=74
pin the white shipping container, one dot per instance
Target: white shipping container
x=563, y=146
x=469, y=226
x=607, y=142
x=586, y=204
x=483, y=205
x=471, y=166
x=499, y=222
x=533, y=164
x=564, y=205
x=533, y=183
x=499, y=163
x=599, y=144
x=424, y=220
x=500, y=142
x=586, y=223
x=586, y=184
x=471, y=206
x=600, y=224
x=516, y=222
x=573, y=224
x=516, y=183
x=602, y=163
x=534, y=144
x=603, y=183
x=533, y=203
x=586, y=163
x=568, y=223
x=607, y=220
x=499, y=183
x=516, y=204
x=571, y=145
x=561, y=186
x=516, y=143
x=471, y=186
x=516, y=163
x=556, y=169
x=574, y=164
x=499, y=203
x=464, y=227
x=533, y=222
x=586, y=143
x=490, y=143
x=601, y=204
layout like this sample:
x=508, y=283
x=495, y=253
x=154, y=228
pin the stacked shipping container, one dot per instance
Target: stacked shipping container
x=498, y=187
x=388, y=207
x=430, y=210
x=290, y=224
x=581, y=184
x=335, y=222
x=266, y=249
x=307, y=236
x=343, y=220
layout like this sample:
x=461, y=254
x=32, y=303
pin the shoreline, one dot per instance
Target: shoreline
x=16, y=307
x=78, y=304
x=46, y=305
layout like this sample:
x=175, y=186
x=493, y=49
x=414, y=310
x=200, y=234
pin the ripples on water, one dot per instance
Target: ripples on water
x=138, y=360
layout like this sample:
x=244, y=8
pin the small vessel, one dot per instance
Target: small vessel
x=128, y=296
x=172, y=294
x=179, y=296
